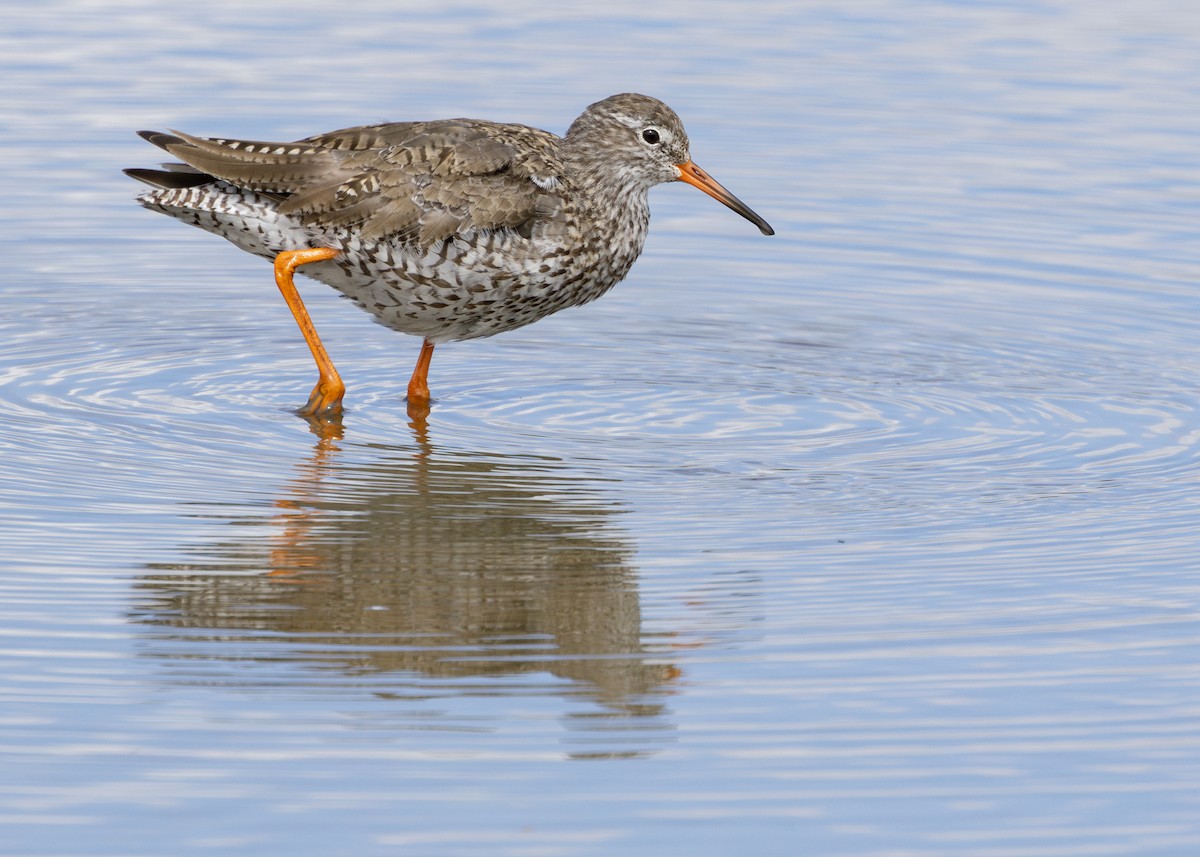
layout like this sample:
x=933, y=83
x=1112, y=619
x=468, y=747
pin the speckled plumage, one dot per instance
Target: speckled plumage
x=450, y=229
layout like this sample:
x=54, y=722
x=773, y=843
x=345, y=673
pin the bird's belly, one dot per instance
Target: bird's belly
x=474, y=284
x=466, y=287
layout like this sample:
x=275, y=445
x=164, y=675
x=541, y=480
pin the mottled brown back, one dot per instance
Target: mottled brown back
x=421, y=181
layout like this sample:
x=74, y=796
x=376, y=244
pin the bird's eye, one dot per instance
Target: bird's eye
x=651, y=136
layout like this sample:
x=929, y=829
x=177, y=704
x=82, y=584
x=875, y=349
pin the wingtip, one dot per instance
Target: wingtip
x=160, y=138
x=170, y=177
x=143, y=175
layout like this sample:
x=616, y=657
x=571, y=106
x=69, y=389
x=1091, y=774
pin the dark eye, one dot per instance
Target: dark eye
x=651, y=136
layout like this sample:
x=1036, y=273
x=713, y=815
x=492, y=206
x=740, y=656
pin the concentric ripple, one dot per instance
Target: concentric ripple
x=876, y=536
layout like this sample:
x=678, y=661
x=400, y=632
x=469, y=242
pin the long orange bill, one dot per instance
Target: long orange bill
x=696, y=177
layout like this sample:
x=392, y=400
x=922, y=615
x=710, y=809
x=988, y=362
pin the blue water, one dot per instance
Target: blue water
x=873, y=538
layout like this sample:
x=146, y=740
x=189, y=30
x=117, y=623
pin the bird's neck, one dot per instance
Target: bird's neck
x=617, y=225
x=617, y=201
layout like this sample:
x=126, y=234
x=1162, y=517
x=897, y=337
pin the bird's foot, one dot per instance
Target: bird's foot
x=325, y=400
x=418, y=411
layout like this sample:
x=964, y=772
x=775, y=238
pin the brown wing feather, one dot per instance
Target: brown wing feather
x=416, y=180
x=278, y=167
x=426, y=181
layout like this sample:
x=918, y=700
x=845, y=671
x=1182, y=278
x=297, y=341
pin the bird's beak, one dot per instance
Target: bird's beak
x=696, y=177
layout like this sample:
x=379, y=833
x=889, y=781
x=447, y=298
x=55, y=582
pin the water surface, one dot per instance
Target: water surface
x=875, y=537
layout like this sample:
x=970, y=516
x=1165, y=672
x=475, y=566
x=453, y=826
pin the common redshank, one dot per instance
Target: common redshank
x=450, y=229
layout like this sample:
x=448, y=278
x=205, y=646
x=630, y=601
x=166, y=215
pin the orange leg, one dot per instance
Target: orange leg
x=418, y=384
x=326, y=397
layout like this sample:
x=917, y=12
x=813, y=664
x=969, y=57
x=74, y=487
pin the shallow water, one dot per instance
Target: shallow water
x=876, y=537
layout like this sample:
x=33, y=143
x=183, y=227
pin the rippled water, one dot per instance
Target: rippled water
x=876, y=537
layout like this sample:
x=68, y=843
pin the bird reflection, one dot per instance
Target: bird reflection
x=416, y=565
